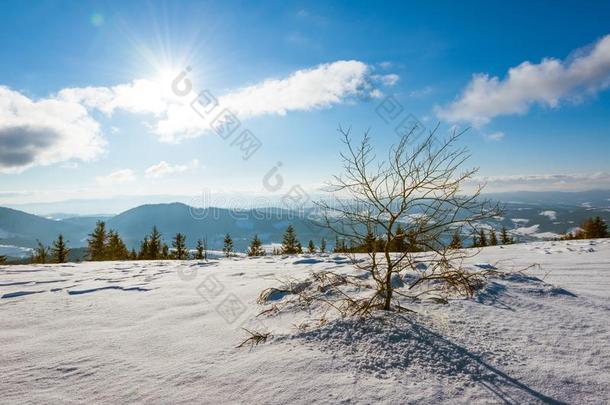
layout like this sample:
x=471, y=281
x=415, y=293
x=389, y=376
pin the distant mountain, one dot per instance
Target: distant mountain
x=211, y=224
x=528, y=215
x=594, y=198
x=22, y=229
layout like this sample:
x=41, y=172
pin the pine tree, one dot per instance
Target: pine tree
x=2, y=259
x=399, y=244
x=593, y=228
x=165, y=252
x=337, y=248
x=412, y=244
x=115, y=248
x=323, y=245
x=199, y=250
x=228, y=245
x=493, y=239
x=369, y=244
x=311, y=248
x=60, y=250
x=256, y=247
x=179, y=245
x=133, y=255
x=155, y=244
x=41, y=253
x=299, y=247
x=602, y=228
x=482, y=238
x=290, y=245
x=504, y=238
x=340, y=246
x=456, y=241
x=144, y=249
x=475, y=241
x=97, y=242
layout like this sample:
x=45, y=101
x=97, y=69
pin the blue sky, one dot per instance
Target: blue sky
x=89, y=112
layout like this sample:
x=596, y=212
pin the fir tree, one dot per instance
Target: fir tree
x=475, y=241
x=133, y=255
x=228, y=245
x=59, y=250
x=504, y=238
x=369, y=244
x=256, y=247
x=199, y=250
x=311, y=248
x=456, y=241
x=41, y=253
x=412, y=244
x=97, y=242
x=179, y=245
x=482, y=238
x=290, y=245
x=323, y=245
x=299, y=247
x=337, y=247
x=399, y=240
x=593, y=228
x=115, y=248
x=165, y=252
x=155, y=244
x=493, y=239
x=144, y=249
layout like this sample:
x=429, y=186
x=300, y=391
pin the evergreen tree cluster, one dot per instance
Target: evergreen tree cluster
x=290, y=245
x=483, y=238
x=403, y=242
x=592, y=228
x=106, y=245
x=57, y=253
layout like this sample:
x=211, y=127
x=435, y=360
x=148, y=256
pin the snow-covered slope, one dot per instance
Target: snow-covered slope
x=166, y=332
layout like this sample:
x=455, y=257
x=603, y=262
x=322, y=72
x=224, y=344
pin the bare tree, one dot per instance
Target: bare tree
x=415, y=194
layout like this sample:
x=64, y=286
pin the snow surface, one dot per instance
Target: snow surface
x=552, y=215
x=167, y=331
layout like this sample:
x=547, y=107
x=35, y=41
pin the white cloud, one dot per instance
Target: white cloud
x=387, y=80
x=494, y=136
x=304, y=90
x=60, y=128
x=163, y=168
x=546, y=83
x=69, y=165
x=545, y=182
x=117, y=177
x=44, y=131
x=425, y=91
x=139, y=97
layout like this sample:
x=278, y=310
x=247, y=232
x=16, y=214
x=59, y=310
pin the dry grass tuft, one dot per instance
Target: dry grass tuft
x=255, y=338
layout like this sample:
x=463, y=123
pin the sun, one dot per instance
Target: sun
x=165, y=76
